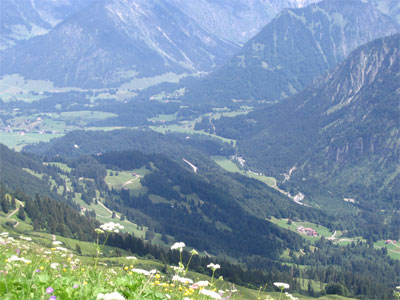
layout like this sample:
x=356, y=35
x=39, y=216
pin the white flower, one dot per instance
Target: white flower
x=54, y=265
x=25, y=238
x=290, y=296
x=110, y=296
x=61, y=249
x=281, y=285
x=211, y=294
x=178, y=246
x=131, y=257
x=4, y=233
x=16, y=258
x=141, y=271
x=182, y=279
x=111, y=227
x=213, y=266
x=57, y=243
x=202, y=283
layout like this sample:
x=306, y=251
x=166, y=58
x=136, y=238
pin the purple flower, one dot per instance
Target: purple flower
x=37, y=270
x=49, y=290
x=53, y=298
x=75, y=286
x=18, y=251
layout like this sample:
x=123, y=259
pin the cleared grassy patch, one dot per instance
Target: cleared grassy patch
x=230, y=166
x=17, y=140
x=294, y=225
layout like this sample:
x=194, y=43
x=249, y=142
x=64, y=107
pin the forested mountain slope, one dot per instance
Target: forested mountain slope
x=342, y=132
x=294, y=48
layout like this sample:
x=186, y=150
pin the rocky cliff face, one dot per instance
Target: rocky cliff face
x=342, y=131
x=294, y=48
x=111, y=42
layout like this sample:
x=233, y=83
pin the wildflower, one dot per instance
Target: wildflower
x=110, y=296
x=57, y=243
x=199, y=284
x=211, y=294
x=54, y=265
x=141, y=271
x=213, y=266
x=111, y=227
x=75, y=286
x=25, y=238
x=53, y=297
x=16, y=258
x=290, y=296
x=194, y=252
x=131, y=257
x=61, y=249
x=4, y=233
x=99, y=231
x=182, y=279
x=49, y=290
x=178, y=246
x=281, y=285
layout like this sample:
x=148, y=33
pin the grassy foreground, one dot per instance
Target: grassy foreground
x=34, y=268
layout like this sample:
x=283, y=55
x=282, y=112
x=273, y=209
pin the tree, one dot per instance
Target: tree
x=21, y=213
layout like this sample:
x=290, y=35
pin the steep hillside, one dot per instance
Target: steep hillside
x=111, y=42
x=342, y=132
x=294, y=48
x=24, y=19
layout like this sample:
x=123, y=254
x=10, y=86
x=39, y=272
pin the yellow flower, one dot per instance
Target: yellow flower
x=130, y=273
x=41, y=268
x=126, y=268
x=64, y=270
x=158, y=276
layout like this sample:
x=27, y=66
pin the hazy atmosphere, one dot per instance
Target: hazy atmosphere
x=200, y=149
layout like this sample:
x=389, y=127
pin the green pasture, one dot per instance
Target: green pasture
x=17, y=141
x=230, y=166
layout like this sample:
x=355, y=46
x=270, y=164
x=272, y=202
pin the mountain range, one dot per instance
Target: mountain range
x=22, y=19
x=111, y=42
x=294, y=48
x=341, y=133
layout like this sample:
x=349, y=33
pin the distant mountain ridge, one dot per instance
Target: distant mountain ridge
x=24, y=19
x=294, y=48
x=111, y=42
x=236, y=20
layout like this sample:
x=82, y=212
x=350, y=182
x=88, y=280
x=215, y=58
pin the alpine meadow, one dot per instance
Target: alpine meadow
x=199, y=150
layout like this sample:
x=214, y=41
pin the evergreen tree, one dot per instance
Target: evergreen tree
x=21, y=213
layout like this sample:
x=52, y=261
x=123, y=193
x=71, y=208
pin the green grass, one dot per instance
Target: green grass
x=18, y=141
x=163, y=118
x=44, y=271
x=322, y=230
x=393, y=249
x=62, y=166
x=126, y=179
x=230, y=166
x=226, y=164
